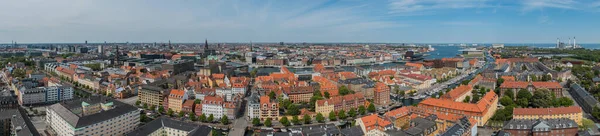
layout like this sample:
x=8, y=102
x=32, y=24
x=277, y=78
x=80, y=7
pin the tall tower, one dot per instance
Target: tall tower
x=205, y=44
x=557, y=43
x=569, y=41
x=251, y=46
x=117, y=55
x=574, y=43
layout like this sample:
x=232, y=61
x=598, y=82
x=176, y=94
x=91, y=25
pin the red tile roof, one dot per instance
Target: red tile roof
x=547, y=111
x=373, y=121
x=457, y=92
x=514, y=84
x=547, y=85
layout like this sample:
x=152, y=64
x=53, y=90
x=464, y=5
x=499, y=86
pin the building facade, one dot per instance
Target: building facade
x=176, y=99
x=42, y=95
x=574, y=113
x=93, y=116
x=268, y=108
x=381, y=94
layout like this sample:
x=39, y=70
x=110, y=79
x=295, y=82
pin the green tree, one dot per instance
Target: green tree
x=255, y=121
x=210, y=118
x=268, y=122
x=285, y=103
x=332, y=116
x=541, y=99
x=467, y=99
x=295, y=120
x=499, y=82
x=192, y=116
x=510, y=94
x=224, y=120
x=293, y=110
x=343, y=90
x=361, y=110
x=523, y=103
x=371, y=108
x=307, y=119
x=143, y=117
x=170, y=112
x=565, y=102
x=326, y=95
x=320, y=118
x=202, y=117
x=272, y=95
x=152, y=107
x=524, y=94
x=352, y=112
x=161, y=109
x=145, y=106
x=197, y=101
x=253, y=72
x=137, y=103
x=181, y=113
x=342, y=114
x=284, y=121
x=505, y=100
x=476, y=98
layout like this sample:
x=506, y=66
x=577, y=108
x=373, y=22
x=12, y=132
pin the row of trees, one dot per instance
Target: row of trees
x=306, y=119
x=192, y=116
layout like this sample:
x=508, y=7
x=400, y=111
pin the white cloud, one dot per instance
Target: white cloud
x=411, y=6
x=539, y=4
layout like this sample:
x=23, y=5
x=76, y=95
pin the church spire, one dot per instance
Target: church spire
x=205, y=43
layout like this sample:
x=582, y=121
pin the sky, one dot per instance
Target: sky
x=388, y=21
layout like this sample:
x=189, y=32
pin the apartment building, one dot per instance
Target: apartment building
x=299, y=94
x=338, y=103
x=176, y=99
x=381, y=94
x=268, y=108
x=164, y=126
x=94, y=116
x=212, y=105
x=49, y=94
x=481, y=111
x=574, y=113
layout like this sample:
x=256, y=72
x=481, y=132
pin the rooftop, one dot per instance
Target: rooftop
x=68, y=110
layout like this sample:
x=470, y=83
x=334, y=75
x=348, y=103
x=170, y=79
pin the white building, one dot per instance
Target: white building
x=212, y=105
x=167, y=127
x=95, y=116
x=253, y=107
x=49, y=94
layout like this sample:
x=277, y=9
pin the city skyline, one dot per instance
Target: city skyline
x=346, y=21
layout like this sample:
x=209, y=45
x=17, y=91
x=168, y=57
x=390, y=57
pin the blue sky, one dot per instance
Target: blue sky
x=401, y=21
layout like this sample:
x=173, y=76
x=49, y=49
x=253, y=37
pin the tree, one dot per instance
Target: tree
x=202, y=117
x=295, y=120
x=320, y=118
x=467, y=99
x=181, y=113
x=152, y=107
x=255, y=121
x=253, y=72
x=170, y=112
x=361, y=110
x=307, y=119
x=224, y=120
x=143, y=117
x=534, y=78
x=510, y=94
x=284, y=121
x=137, y=103
x=210, y=118
x=505, y=100
x=145, y=106
x=476, y=98
x=342, y=114
x=499, y=82
x=197, y=101
x=371, y=108
x=523, y=103
x=285, y=103
x=293, y=110
x=541, y=99
x=272, y=95
x=192, y=116
x=343, y=90
x=268, y=122
x=352, y=112
x=523, y=67
x=523, y=94
x=326, y=95
x=161, y=109
x=565, y=102
x=332, y=116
